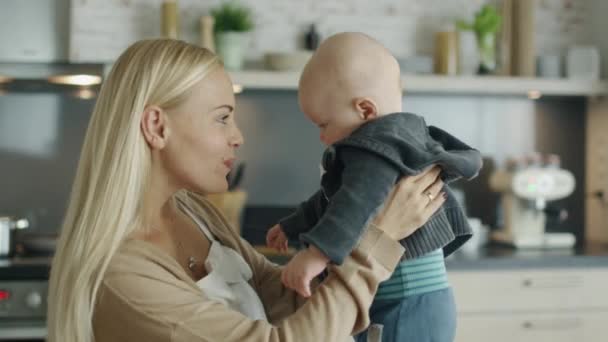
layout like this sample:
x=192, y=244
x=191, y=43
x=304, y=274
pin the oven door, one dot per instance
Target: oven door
x=23, y=297
x=30, y=330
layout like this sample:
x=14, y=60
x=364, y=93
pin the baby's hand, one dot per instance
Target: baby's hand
x=276, y=238
x=302, y=268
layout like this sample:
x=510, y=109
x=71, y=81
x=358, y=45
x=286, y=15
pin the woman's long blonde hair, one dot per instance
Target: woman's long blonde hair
x=105, y=203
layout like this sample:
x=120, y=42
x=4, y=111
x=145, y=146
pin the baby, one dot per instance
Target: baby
x=351, y=89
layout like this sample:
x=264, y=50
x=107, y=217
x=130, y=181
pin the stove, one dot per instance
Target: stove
x=23, y=293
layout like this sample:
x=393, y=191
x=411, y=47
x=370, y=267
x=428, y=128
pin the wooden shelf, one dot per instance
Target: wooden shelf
x=448, y=85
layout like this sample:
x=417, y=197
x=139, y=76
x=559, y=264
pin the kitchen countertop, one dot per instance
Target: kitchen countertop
x=488, y=258
x=497, y=257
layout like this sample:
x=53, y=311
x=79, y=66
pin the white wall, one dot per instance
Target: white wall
x=101, y=29
x=282, y=150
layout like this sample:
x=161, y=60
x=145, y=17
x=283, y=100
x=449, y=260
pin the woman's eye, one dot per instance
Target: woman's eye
x=224, y=118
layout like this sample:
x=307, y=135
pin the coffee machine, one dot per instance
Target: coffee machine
x=525, y=190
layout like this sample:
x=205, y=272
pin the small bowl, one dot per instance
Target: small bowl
x=287, y=61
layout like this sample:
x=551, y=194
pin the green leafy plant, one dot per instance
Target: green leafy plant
x=486, y=24
x=487, y=21
x=231, y=16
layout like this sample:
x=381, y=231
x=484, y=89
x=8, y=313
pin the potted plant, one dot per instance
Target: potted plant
x=485, y=26
x=232, y=21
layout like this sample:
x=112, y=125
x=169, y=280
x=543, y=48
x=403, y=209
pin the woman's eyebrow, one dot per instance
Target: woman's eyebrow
x=229, y=107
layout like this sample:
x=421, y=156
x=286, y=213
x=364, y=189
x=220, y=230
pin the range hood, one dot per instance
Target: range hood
x=49, y=77
x=34, y=37
x=34, y=30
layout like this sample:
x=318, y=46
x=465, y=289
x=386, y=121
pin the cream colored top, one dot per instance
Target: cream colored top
x=227, y=276
x=147, y=296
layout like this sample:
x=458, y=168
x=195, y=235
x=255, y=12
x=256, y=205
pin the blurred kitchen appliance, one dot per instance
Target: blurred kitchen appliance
x=23, y=292
x=44, y=112
x=8, y=227
x=525, y=190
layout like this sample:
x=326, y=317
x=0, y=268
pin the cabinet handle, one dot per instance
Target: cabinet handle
x=552, y=283
x=553, y=324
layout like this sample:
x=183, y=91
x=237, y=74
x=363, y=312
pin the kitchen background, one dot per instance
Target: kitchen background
x=499, y=126
x=42, y=126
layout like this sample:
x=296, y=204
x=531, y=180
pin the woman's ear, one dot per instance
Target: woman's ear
x=366, y=108
x=154, y=127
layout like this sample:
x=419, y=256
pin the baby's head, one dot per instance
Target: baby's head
x=350, y=79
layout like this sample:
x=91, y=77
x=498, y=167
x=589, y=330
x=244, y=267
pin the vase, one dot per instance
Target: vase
x=230, y=47
x=446, y=53
x=486, y=44
x=468, y=55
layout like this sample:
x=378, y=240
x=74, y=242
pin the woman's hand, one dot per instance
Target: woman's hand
x=411, y=203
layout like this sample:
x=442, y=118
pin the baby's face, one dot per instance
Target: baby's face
x=336, y=120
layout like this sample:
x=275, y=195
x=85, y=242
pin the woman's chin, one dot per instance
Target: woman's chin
x=221, y=186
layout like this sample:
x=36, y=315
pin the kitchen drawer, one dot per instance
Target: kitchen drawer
x=507, y=291
x=567, y=327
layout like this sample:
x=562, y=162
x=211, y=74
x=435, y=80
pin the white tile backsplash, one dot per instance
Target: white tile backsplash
x=101, y=29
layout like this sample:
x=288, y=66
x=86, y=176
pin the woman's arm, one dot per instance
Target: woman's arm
x=142, y=299
x=337, y=308
x=406, y=209
x=280, y=301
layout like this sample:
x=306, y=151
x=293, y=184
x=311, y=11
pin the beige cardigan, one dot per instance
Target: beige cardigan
x=146, y=296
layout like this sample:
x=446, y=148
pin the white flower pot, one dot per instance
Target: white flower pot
x=468, y=58
x=231, y=47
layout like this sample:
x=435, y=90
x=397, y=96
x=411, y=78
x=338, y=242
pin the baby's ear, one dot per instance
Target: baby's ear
x=366, y=108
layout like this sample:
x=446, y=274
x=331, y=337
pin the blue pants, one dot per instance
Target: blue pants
x=428, y=317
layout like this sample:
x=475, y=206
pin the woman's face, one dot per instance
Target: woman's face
x=203, y=137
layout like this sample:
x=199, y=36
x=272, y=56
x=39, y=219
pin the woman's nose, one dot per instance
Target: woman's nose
x=237, y=138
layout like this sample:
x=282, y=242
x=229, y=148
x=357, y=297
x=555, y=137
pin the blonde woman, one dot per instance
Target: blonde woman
x=144, y=257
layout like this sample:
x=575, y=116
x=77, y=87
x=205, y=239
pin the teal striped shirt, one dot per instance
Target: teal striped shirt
x=417, y=276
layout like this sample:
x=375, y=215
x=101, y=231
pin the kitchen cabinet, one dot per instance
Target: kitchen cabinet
x=596, y=170
x=536, y=327
x=535, y=305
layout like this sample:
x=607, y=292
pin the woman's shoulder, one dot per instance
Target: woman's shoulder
x=137, y=262
x=137, y=292
x=139, y=272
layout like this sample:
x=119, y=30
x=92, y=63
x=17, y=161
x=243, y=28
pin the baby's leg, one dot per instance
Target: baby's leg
x=416, y=303
x=429, y=317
